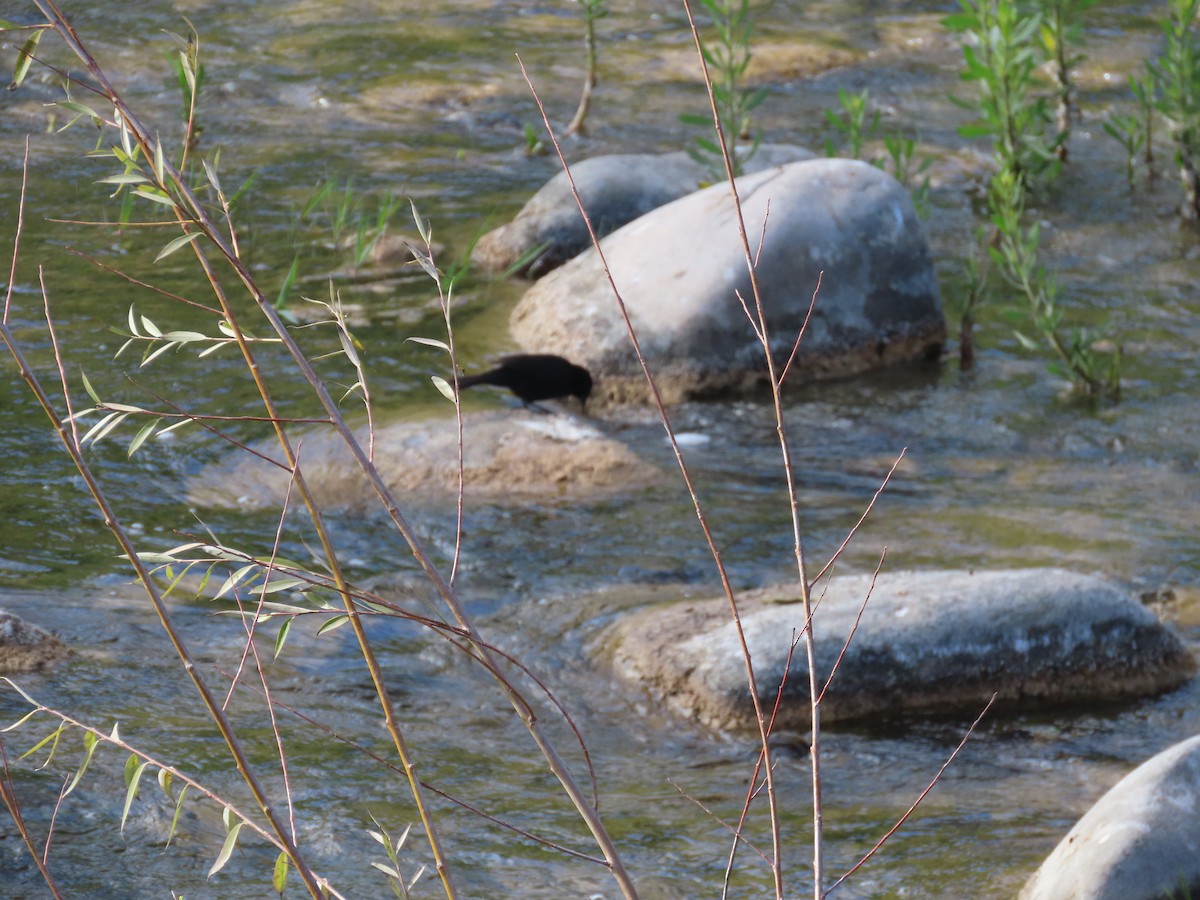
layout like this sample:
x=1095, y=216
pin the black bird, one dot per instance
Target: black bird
x=536, y=376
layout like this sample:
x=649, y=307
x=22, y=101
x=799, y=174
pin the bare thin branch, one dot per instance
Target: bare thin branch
x=904, y=818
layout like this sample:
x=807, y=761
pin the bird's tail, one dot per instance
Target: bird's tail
x=466, y=381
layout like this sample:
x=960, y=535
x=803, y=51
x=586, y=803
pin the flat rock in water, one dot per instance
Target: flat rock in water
x=930, y=643
x=24, y=647
x=513, y=455
x=1141, y=841
x=681, y=269
x=615, y=190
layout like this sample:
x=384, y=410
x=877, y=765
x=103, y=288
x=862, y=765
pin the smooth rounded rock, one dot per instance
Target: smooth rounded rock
x=1141, y=841
x=509, y=456
x=681, y=269
x=928, y=643
x=615, y=190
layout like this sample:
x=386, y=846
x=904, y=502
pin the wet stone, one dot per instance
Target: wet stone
x=928, y=643
x=1141, y=841
x=508, y=456
x=25, y=647
x=614, y=190
x=681, y=269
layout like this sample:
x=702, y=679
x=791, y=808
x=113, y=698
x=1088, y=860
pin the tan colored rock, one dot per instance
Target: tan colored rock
x=25, y=647
x=509, y=456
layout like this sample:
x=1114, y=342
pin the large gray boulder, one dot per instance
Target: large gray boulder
x=1141, y=841
x=681, y=268
x=615, y=190
x=928, y=643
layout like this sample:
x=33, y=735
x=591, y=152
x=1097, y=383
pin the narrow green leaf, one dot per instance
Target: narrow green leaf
x=90, y=743
x=332, y=623
x=153, y=353
x=175, y=818
x=422, y=259
x=277, y=584
x=51, y=738
x=188, y=75
x=210, y=171
x=347, y=343
x=236, y=578
x=428, y=342
x=178, y=242
x=155, y=195
x=140, y=438
x=83, y=413
x=219, y=345
x=417, y=877
x=174, y=426
x=125, y=178
x=97, y=432
x=289, y=282
x=151, y=328
x=974, y=131
x=281, y=637
x=126, y=139
x=443, y=386
x=422, y=224
x=1025, y=341
x=168, y=556
x=87, y=386
x=126, y=408
x=226, y=850
x=131, y=781
x=21, y=721
x=158, y=162
x=165, y=778
x=280, y=876
x=78, y=108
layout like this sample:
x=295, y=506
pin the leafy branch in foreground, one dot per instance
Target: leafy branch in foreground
x=218, y=258
x=137, y=763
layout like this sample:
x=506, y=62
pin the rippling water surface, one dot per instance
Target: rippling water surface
x=1002, y=466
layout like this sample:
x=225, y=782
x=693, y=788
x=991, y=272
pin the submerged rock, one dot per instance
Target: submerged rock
x=514, y=455
x=615, y=190
x=1141, y=841
x=681, y=269
x=928, y=643
x=24, y=647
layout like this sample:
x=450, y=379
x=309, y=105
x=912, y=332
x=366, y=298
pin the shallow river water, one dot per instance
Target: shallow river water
x=1004, y=467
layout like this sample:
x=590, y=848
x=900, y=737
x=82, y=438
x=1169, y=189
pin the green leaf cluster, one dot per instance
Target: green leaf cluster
x=727, y=58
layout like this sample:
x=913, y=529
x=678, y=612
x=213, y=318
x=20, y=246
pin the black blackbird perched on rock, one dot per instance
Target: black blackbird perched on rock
x=536, y=376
